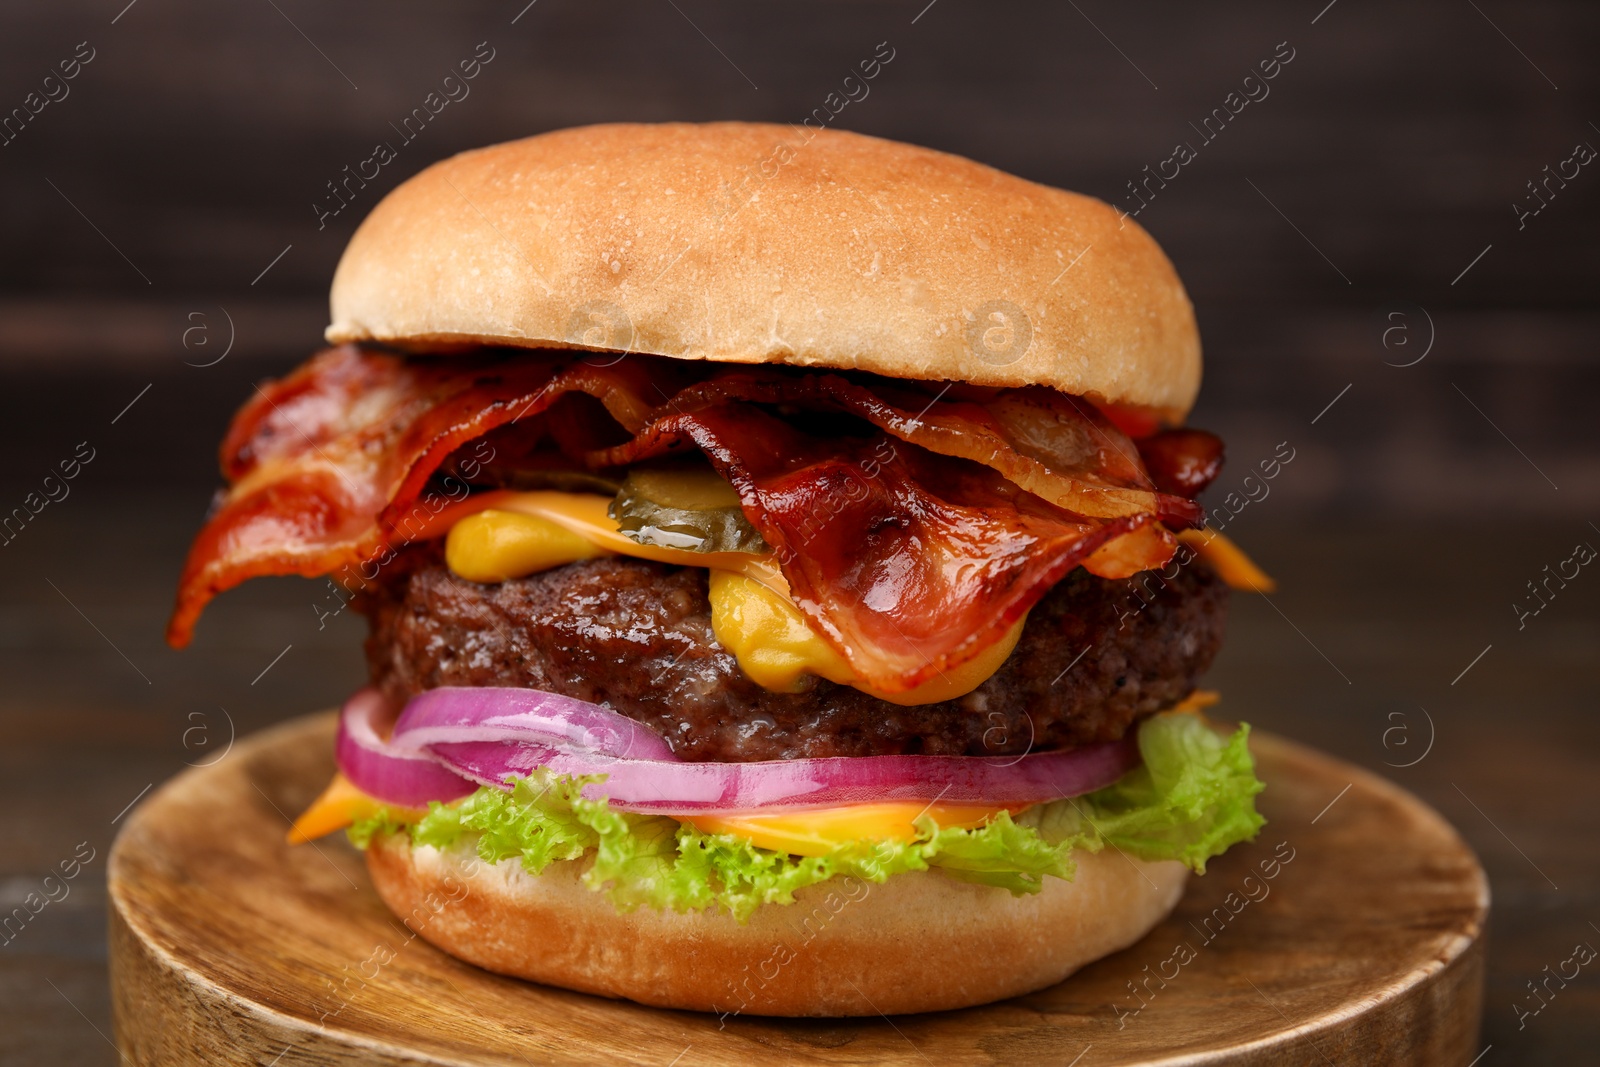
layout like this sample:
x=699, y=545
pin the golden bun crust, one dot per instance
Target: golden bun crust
x=918, y=942
x=755, y=243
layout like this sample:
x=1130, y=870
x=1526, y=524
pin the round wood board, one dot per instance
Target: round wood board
x=228, y=946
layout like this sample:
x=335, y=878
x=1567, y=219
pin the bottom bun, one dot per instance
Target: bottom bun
x=919, y=942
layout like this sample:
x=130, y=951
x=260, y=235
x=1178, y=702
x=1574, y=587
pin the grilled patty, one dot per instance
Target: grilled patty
x=1095, y=657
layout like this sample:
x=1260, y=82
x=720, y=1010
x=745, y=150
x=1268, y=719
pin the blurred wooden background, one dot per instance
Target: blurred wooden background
x=161, y=205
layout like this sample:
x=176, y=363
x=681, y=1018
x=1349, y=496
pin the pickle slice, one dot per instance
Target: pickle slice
x=689, y=507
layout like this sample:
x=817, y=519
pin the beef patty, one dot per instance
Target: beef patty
x=1095, y=656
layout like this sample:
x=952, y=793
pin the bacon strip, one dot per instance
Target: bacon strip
x=907, y=561
x=328, y=464
x=1055, y=446
x=911, y=549
x=1182, y=462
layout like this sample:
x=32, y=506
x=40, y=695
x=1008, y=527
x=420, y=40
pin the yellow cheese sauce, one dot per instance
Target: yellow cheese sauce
x=777, y=648
x=494, y=545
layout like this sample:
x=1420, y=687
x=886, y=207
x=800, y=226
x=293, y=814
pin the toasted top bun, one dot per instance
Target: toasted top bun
x=753, y=243
x=920, y=941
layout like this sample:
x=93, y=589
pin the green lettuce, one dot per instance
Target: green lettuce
x=1191, y=798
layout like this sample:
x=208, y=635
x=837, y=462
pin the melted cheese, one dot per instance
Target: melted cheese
x=585, y=515
x=1229, y=561
x=803, y=833
x=1195, y=703
x=494, y=545
x=340, y=805
x=751, y=613
x=816, y=833
x=776, y=647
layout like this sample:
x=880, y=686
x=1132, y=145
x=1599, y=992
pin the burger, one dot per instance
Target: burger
x=785, y=582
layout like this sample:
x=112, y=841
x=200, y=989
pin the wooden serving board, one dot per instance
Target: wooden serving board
x=1349, y=932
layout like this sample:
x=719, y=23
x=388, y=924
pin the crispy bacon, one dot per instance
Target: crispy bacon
x=328, y=464
x=1182, y=462
x=907, y=561
x=913, y=533
x=1055, y=446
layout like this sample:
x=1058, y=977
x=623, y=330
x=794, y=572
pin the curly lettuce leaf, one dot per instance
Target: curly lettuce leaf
x=1192, y=798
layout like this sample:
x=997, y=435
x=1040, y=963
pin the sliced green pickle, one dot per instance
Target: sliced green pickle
x=687, y=507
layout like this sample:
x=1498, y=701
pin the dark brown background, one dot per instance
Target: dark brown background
x=190, y=150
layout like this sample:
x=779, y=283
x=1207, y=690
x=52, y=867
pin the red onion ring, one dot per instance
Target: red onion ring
x=382, y=769
x=450, y=740
x=489, y=734
x=676, y=788
x=461, y=713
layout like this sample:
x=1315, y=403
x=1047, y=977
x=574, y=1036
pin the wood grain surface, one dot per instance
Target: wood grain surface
x=1349, y=931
